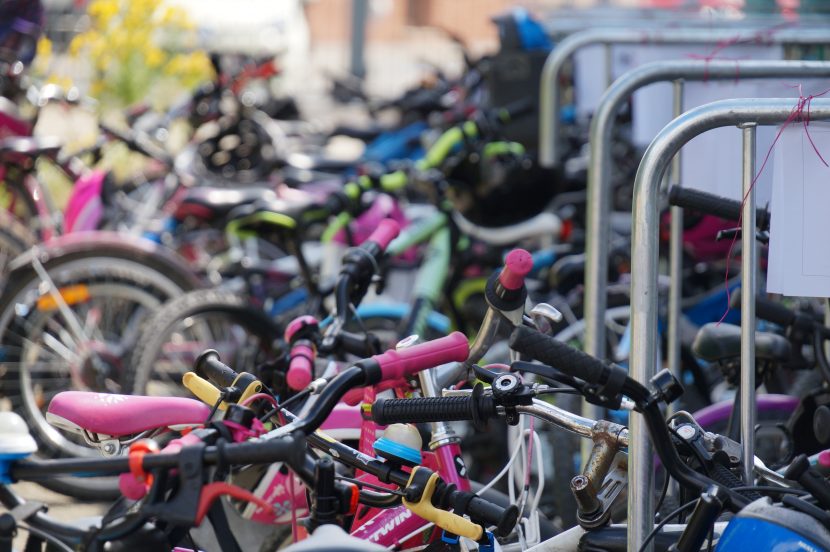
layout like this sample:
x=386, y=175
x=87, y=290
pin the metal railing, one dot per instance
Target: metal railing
x=550, y=153
x=600, y=181
x=746, y=114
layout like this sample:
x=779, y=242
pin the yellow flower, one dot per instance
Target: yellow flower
x=154, y=57
x=44, y=47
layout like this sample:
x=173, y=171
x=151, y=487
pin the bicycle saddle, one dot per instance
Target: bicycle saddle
x=722, y=342
x=211, y=203
x=24, y=150
x=120, y=415
x=272, y=212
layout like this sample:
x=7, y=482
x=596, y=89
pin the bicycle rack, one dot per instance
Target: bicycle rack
x=747, y=114
x=550, y=94
x=599, y=180
x=565, y=21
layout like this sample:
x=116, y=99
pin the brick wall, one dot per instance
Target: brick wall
x=330, y=20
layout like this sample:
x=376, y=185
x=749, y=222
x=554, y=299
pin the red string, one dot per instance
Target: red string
x=797, y=114
x=763, y=36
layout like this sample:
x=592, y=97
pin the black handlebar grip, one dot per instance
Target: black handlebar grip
x=711, y=204
x=482, y=510
x=772, y=311
x=766, y=309
x=432, y=409
x=561, y=356
x=211, y=368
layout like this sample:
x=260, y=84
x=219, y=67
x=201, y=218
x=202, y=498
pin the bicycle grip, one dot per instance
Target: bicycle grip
x=445, y=520
x=711, y=204
x=517, y=265
x=203, y=389
x=411, y=360
x=432, y=409
x=774, y=312
x=766, y=309
x=301, y=367
x=504, y=519
x=561, y=356
x=386, y=231
x=211, y=368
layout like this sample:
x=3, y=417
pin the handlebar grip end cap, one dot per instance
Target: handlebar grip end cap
x=517, y=265
x=508, y=521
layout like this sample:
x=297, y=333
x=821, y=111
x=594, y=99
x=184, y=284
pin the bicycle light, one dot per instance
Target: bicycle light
x=15, y=442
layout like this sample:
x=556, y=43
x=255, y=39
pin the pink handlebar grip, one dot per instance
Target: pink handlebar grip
x=517, y=265
x=386, y=231
x=300, y=368
x=409, y=361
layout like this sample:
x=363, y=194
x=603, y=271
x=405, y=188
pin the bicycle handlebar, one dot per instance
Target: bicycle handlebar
x=585, y=367
x=289, y=449
x=711, y=204
x=560, y=355
x=433, y=409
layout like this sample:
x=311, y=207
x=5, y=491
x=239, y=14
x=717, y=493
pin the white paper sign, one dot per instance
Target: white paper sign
x=799, y=255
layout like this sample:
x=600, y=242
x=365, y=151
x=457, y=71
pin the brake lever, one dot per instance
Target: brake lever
x=546, y=372
x=485, y=375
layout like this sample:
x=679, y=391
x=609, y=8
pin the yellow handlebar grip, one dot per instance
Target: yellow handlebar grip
x=452, y=523
x=202, y=388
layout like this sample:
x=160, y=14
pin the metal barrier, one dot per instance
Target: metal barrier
x=550, y=98
x=746, y=114
x=599, y=178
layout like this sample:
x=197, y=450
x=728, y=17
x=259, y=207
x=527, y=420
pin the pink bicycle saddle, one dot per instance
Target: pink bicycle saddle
x=119, y=415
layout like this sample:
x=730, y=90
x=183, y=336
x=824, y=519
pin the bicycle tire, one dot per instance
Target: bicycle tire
x=15, y=239
x=134, y=271
x=224, y=304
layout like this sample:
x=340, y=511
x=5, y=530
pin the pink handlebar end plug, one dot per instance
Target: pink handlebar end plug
x=517, y=265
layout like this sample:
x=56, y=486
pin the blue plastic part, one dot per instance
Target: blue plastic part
x=531, y=32
x=397, y=450
x=712, y=307
x=542, y=259
x=490, y=545
x=5, y=462
x=568, y=114
x=748, y=533
x=449, y=538
x=398, y=144
x=289, y=301
x=398, y=311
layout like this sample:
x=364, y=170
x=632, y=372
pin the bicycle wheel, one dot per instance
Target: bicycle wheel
x=67, y=322
x=14, y=240
x=173, y=337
